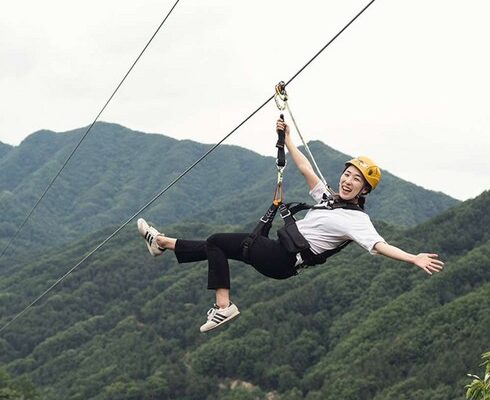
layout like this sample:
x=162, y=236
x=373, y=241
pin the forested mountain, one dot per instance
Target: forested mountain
x=116, y=171
x=126, y=325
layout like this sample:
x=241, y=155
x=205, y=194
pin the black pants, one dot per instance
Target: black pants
x=267, y=256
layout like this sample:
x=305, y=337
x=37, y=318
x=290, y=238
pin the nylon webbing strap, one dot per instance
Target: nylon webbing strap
x=261, y=229
x=281, y=155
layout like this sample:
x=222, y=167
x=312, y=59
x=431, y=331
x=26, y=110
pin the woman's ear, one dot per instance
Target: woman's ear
x=365, y=191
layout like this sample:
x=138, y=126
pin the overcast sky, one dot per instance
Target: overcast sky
x=407, y=84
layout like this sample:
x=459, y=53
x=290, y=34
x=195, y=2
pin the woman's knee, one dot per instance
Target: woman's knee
x=215, y=239
x=228, y=243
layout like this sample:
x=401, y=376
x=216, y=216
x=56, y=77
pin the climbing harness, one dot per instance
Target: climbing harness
x=289, y=235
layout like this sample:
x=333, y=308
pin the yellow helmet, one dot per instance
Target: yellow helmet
x=368, y=168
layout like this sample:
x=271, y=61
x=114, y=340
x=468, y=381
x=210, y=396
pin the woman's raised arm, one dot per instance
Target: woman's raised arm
x=299, y=159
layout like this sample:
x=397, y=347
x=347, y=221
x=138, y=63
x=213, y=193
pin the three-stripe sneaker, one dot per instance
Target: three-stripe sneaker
x=150, y=234
x=218, y=316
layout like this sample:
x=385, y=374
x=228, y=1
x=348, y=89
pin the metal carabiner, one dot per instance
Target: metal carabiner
x=278, y=191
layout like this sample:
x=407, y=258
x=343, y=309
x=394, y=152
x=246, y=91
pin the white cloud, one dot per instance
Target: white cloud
x=407, y=81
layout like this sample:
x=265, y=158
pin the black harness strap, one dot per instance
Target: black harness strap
x=294, y=208
x=309, y=258
x=281, y=154
x=261, y=229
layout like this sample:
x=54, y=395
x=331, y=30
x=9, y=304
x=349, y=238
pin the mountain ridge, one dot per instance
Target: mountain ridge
x=116, y=171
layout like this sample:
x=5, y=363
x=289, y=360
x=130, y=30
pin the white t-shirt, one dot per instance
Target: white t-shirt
x=327, y=229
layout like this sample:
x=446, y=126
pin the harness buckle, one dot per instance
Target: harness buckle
x=284, y=211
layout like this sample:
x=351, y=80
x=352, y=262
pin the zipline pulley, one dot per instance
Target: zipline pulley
x=281, y=96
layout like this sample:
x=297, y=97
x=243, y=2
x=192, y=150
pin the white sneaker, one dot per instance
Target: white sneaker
x=218, y=316
x=150, y=234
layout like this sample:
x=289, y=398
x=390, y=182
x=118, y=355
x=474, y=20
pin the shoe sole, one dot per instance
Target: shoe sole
x=223, y=322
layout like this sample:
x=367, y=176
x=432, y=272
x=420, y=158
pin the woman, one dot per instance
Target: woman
x=324, y=230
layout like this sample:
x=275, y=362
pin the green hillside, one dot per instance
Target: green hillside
x=116, y=171
x=126, y=326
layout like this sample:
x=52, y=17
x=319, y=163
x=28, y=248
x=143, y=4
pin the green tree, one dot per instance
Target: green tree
x=12, y=390
x=479, y=388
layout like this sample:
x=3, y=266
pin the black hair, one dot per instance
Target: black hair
x=361, y=201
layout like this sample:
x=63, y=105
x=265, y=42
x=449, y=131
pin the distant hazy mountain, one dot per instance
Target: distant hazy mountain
x=4, y=149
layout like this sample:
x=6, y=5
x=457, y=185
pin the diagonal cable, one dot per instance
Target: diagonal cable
x=85, y=135
x=17, y=316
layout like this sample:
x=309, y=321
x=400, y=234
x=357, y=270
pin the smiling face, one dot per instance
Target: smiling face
x=351, y=183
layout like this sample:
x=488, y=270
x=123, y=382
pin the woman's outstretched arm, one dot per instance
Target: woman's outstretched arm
x=299, y=159
x=427, y=261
